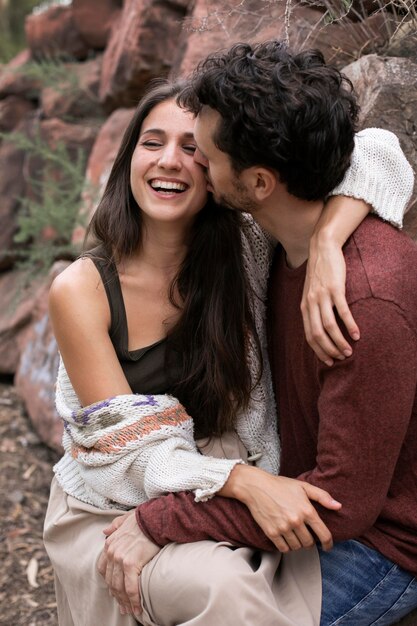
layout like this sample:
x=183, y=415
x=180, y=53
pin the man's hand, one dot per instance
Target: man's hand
x=282, y=507
x=126, y=551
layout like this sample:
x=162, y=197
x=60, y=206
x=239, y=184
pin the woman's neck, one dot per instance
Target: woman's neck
x=162, y=249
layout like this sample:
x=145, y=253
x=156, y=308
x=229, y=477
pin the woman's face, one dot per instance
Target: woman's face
x=166, y=182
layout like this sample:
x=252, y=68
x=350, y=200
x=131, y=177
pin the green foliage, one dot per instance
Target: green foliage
x=51, y=210
x=51, y=72
x=12, y=26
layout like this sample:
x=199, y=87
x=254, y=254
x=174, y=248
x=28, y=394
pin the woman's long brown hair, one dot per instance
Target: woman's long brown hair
x=210, y=340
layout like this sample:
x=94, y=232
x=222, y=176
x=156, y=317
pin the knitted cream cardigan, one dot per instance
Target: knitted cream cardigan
x=127, y=449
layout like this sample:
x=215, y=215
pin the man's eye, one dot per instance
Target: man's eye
x=190, y=148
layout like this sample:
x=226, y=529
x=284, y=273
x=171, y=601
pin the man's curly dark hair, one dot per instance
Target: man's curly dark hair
x=287, y=111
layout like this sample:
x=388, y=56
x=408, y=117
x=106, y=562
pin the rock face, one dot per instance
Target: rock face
x=94, y=20
x=210, y=28
x=12, y=188
x=100, y=163
x=15, y=315
x=53, y=33
x=387, y=92
x=14, y=82
x=77, y=95
x=38, y=366
x=13, y=109
x=142, y=46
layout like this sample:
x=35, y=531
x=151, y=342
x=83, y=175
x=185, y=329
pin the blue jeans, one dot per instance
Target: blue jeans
x=361, y=587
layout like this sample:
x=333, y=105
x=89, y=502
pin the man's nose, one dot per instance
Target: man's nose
x=200, y=158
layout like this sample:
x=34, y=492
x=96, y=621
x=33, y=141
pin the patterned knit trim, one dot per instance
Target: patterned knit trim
x=115, y=441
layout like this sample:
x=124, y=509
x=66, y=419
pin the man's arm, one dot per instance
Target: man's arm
x=365, y=406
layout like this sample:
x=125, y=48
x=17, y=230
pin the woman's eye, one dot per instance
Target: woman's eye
x=151, y=144
x=190, y=148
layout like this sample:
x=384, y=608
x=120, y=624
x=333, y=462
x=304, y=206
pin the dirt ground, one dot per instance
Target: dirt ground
x=26, y=579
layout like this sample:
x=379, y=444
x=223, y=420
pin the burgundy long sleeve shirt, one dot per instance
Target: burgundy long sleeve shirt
x=350, y=429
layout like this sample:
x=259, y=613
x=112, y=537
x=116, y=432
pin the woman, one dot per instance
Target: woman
x=161, y=306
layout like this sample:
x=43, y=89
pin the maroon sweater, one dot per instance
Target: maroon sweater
x=350, y=429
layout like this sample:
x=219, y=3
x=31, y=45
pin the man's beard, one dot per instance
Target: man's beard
x=237, y=201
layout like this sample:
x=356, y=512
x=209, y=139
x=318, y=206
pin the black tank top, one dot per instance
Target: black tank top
x=144, y=368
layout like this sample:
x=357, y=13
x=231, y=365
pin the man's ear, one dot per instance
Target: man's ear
x=261, y=181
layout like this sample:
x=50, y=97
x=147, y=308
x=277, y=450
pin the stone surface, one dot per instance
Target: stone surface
x=74, y=136
x=53, y=33
x=142, y=46
x=13, y=109
x=15, y=315
x=210, y=28
x=12, y=188
x=37, y=369
x=13, y=81
x=94, y=20
x=77, y=96
x=387, y=93
x=100, y=163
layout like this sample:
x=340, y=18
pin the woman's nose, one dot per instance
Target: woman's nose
x=170, y=158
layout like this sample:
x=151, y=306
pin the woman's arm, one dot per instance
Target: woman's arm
x=122, y=447
x=379, y=179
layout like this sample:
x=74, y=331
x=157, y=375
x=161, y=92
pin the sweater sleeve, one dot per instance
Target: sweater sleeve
x=380, y=174
x=177, y=518
x=365, y=405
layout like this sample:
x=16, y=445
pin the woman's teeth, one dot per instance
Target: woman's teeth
x=167, y=186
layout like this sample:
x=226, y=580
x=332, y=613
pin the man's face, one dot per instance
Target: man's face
x=223, y=182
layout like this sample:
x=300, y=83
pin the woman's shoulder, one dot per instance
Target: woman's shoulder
x=77, y=277
x=78, y=285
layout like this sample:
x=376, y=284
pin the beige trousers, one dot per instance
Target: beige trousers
x=200, y=584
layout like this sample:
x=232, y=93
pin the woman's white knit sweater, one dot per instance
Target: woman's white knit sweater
x=127, y=449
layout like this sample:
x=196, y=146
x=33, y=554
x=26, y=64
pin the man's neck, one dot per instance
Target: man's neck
x=292, y=222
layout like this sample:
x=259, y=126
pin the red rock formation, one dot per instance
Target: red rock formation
x=53, y=33
x=95, y=19
x=13, y=81
x=212, y=28
x=15, y=315
x=38, y=365
x=13, y=110
x=142, y=46
x=76, y=97
x=100, y=163
x=12, y=187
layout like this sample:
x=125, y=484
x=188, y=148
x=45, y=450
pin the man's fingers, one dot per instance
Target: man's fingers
x=116, y=523
x=131, y=585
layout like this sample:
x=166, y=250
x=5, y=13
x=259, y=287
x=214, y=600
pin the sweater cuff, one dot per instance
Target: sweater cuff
x=379, y=174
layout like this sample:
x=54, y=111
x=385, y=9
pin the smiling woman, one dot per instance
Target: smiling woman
x=166, y=181
x=159, y=306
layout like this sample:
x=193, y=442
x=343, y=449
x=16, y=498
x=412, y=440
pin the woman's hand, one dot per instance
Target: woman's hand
x=324, y=291
x=324, y=287
x=126, y=551
x=282, y=507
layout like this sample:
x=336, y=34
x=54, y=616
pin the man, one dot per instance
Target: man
x=350, y=429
